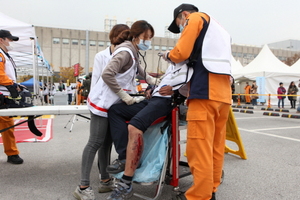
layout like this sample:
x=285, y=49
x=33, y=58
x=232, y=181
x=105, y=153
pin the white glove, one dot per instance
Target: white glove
x=151, y=80
x=165, y=55
x=129, y=100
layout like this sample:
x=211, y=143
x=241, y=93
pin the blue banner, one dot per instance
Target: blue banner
x=261, y=82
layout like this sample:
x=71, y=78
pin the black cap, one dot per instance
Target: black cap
x=183, y=7
x=7, y=34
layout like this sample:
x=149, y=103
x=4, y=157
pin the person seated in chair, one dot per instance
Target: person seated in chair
x=127, y=125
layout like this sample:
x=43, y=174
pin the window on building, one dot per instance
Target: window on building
x=150, y=48
x=65, y=41
x=92, y=43
x=56, y=40
x=156, y=48
x=107, y=44
x=74, y=42
x=170, y=48
x=101, y=44
x=163, y=48
x=83, y=42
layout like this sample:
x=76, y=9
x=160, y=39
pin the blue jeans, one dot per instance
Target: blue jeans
x=254, y=102
x=280, y=100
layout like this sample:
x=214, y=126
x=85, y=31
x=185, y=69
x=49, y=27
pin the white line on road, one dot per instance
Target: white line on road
x=272, y=135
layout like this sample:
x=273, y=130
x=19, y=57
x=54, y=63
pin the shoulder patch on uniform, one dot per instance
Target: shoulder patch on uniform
x=187, y=22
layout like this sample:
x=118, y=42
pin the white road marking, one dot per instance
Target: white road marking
x=272, y=135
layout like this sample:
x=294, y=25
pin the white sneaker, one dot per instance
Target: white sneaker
x=87, y=194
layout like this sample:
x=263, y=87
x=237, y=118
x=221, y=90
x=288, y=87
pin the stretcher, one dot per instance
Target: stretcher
x=37, y=111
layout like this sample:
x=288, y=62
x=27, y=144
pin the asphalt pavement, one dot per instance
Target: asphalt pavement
x=51, y=170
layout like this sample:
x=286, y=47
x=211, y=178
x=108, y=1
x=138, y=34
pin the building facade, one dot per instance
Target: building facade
x=67, y=47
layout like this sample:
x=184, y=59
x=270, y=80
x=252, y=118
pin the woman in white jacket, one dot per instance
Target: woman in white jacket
x=107, y=89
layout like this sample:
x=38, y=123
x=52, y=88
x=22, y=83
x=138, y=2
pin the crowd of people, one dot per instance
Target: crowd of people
x=251, y=94
x=76, y=94
x=291, y=93
x=120, y=117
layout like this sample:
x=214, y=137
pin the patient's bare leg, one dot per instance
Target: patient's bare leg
x=135, y=148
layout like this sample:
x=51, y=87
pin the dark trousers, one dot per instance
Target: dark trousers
x=293, y=103
x=69, y=99
x=140, y=115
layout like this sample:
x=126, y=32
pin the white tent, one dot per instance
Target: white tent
x=271, y=69
x=235, y=65
x=26, y=53
x=296, y=67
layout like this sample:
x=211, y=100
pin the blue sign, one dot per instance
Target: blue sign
x=261, y=83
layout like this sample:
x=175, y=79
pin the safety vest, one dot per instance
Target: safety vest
x=216, y=49
x=100, y=62
x=101, y=97
x=9, y=71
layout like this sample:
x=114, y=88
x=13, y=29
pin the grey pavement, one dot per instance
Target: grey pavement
x=51, y=170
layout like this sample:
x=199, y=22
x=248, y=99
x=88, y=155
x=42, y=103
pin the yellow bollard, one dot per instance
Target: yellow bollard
x=269, y=101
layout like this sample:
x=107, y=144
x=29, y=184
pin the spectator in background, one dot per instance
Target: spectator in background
x=45, y=90
x=70, y=92
x=247, y=92
x=61, y=86
x=86, y=86
x=281, y=90
x=293, y=91
x=52, y=92
x=253, y=90
x=78, y=92
x=233, y=91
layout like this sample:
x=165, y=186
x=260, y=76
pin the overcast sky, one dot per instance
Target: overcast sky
x=250, y=22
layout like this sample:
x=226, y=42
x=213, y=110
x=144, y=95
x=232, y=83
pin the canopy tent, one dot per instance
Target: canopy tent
x=235, y=65
x=271, y=70
x=27, y=52
x=29, y=83
x=296, y=67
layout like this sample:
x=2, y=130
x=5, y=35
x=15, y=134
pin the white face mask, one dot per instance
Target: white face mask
x=10, y=47
x=144, y=44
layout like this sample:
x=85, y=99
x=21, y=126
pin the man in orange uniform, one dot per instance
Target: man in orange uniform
x=247, y=91
x=209, y=95
x=8, y=78
x=78, y=90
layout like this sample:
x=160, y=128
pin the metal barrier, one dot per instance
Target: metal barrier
x=268, y=95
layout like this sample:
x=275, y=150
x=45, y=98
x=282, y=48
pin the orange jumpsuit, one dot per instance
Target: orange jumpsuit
x=8, y=138
x=78, y=90
x=247, y=91
x=208, y=108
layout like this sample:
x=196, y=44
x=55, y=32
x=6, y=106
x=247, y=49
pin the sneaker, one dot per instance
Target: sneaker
x=87, y=194
x=121, y=192
x=15, y=159
x=106, y=186
x=116, y=166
